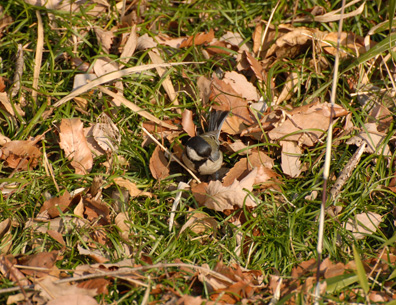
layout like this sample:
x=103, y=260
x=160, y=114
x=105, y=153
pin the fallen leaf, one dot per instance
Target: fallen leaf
x=44, y=260
x=306, y=124
x=349, y=44
x=291, y=164
x=159, y=164
x=20, y=154
x=245, y=165
x=6, y=104
x=73, y=299
x=373, y=139
x=123, y=223
x=198, y=39
x=74, y=143
x=220, y=197
x=241, y=85
x=10, y=272
x=199, y=223
x=57, y=205
x=364, y=224
x=188, y=123
x=105, y=38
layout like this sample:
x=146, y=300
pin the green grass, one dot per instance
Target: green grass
x=287, y=235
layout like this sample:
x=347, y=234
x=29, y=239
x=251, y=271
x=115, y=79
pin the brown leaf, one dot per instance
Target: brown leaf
x=199, y=223
x=8, y=270
x=20, y=154
x=304, y=122
x=99, y=284
x=187, y=122
x=159, y=164
x=123, y=223
x=222, y=198
x=198, y=39
x=41, y=260
x=255, y=66
x=373, y=138
x=364, y=224
x=57, y=236
x=5, y=104
x=245, y=165
x=225, y=98
x=241, y=85
x=349, y=44
x=95, y=209
x=105, y=38
x=57, y=205
x=131, y=187
x=73, y=299
x=291, y=164
x=74, y=143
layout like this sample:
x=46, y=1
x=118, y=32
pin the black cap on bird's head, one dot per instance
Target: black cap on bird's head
x=201, y=147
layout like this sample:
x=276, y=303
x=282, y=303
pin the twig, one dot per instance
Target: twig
x=171, y=155
x=326, y=170
x=141, y=268
x=18, y=72
x=345, y=174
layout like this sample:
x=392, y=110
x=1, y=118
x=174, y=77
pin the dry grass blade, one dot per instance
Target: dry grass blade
x=166, y=83
x=118, y=99
x=39, y=54
x=326, y=170
x=113, y=76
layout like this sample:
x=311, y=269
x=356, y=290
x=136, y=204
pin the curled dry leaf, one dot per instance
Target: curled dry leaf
x=198, y=39
x=74, y=143
x=187, y=122
x=57, y=205
x=221, y=198
x=364, y=224
x=159, y=164
x=105, y=38
x=121, y=222
x=20, y=154
x=106, y=133
x=42, y=260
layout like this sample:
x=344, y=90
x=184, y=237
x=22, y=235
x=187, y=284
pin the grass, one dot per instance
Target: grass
x=287, y=222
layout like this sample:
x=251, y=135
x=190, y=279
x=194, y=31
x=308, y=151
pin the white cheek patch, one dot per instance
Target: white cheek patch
x=192, y=154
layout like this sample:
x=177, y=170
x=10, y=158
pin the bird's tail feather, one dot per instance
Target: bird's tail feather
x=216, y=120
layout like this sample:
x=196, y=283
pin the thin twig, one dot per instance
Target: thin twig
x=326, y=170
x=171, y=155
x=141, y=268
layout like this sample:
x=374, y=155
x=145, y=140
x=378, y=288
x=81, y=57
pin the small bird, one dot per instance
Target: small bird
x=202, y=153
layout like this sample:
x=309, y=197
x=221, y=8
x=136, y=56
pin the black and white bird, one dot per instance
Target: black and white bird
x=202, y=153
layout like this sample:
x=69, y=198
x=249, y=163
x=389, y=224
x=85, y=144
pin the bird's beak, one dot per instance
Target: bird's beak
x=211, y=159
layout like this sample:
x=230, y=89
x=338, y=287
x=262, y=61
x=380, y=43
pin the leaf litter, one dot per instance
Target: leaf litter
x=292, y=129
